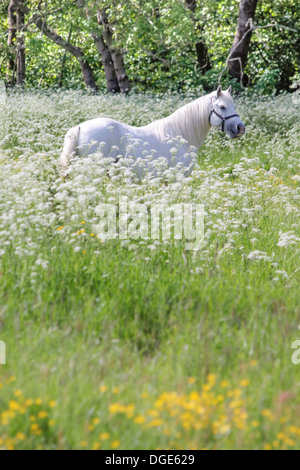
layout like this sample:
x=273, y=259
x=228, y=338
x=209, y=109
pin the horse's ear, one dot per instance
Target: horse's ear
x=230, y=89
x=219, y=90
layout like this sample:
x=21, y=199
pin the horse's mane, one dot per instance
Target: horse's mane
x=190, y=121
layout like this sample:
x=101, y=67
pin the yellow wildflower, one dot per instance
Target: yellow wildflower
x=115, y=444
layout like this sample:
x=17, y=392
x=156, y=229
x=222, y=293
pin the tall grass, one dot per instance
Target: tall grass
x=142, y=344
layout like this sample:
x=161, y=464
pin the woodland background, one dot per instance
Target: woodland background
x=150, y=45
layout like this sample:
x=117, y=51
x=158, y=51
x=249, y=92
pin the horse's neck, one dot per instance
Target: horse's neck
x=190, y=122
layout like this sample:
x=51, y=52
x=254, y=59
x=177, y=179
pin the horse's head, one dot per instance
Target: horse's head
x=223, y=114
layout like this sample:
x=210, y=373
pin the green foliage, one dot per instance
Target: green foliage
x=158, y=40
x=275, y=52
x=267, y=81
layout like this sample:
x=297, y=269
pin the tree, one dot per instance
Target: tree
x=241, y=43
x=103, y=51
x=107, y=62
x=16, y=41
x=200, y=46
x=20, y=48
x=275, y=52
x=116, y=54
x=164, y=45
x=63, y=62
x=40, y=22
x=11, y=41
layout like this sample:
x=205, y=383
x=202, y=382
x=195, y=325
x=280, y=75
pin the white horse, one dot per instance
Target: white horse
x=172, y=137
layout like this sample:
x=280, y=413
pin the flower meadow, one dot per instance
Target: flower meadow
x=140, y=343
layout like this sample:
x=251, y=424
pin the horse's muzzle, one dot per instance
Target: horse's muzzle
x=237, y=131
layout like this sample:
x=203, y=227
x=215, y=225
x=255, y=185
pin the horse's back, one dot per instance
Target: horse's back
x=110, y=138
x=98, y=134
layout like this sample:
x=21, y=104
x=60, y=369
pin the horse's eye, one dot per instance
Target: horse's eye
x=222, y=106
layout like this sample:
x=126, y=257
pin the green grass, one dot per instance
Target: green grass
x=149, y=319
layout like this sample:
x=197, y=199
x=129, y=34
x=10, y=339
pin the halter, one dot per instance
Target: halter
x=212, y=110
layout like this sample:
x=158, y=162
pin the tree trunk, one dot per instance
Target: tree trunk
x=201, y=49
x=75, y=51
x=108, y=65
x=116, y=54
x=63, y=63
x=20, y=49
x=239, y=52
x=12, y=33
x=112, y=82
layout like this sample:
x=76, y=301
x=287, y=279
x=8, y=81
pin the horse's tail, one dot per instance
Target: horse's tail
x=70, y=146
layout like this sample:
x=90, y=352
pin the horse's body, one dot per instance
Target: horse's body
x=171, y=137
